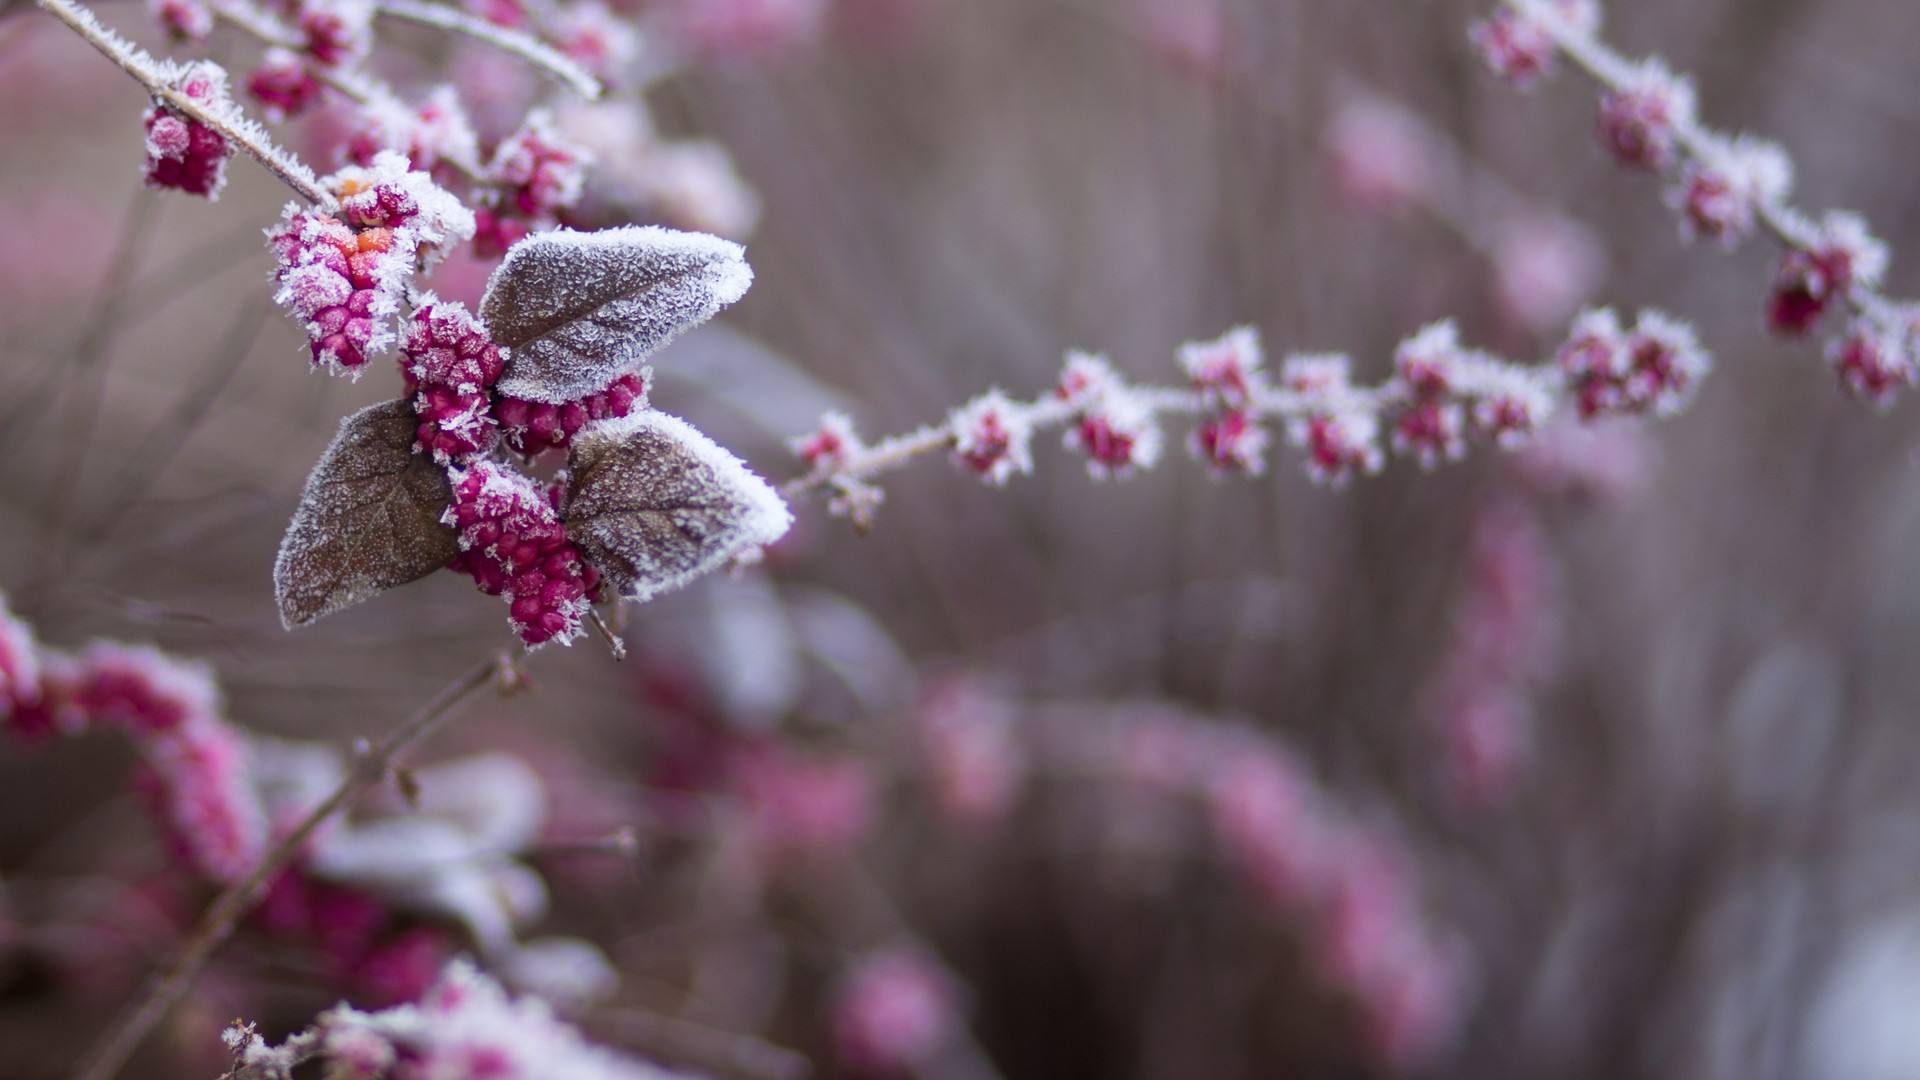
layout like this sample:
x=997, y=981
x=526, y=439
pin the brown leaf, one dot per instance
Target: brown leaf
x=655, y=504
x=575, y=310
x=369, y=519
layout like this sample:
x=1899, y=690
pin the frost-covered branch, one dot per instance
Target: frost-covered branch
x=1724, y=187
x=533, y=51
x=1439, y=394
x=167, y=985
x=197, y=93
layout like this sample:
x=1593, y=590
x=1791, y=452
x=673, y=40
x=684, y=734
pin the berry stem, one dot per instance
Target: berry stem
x=148, y=73
x=1049, y=411
x=164, y=988
x=530, y=49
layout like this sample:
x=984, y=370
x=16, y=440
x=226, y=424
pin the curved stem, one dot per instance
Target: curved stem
x=528, y=48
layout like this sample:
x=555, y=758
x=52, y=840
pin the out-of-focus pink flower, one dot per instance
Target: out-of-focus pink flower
x=893, y=1012
x=1382, y=156
x=804, y=805
x=746, y=29
x=1188, y=35
x=1545, y=267
x=967, y=738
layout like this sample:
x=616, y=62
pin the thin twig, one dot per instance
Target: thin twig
x=165, y=987
x=1049, y=411
x=150, y=73
x=528, y=48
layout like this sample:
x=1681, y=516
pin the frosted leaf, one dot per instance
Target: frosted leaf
x=369, y=519
x=575, y=309
x=655, y=504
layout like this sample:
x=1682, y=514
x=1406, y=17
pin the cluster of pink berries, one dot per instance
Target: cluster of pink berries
x=363, y=944
x=1226, y=374
x=450, y=364
x=336, y=33
x=512, y=544
x=283, y=84
x=345, y=275
x=183, y=20
x=464, y=1025
x=430, y=134
x=193, y=772
x=184, y=153
x=1723, y=188
x=1501, y=647
x=451, y=367
x=533, y=175
x=1653, y=369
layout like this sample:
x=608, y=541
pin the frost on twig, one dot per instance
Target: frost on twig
x=547, y=59
x=1724, y=187
x=368, y=521
x=575, y=310
x=217, y=114
x=654, y=503
x=1440, y=396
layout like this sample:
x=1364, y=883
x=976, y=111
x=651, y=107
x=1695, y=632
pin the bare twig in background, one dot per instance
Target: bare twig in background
x=166, y=986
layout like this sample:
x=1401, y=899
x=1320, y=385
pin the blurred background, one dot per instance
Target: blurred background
x=1589, y=760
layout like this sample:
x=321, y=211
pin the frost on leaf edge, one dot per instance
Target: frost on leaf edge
x=732, y=277
x=767, y=516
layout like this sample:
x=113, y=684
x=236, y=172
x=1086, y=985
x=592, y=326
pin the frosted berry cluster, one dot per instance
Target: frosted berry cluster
x=345, y=275
x=434, y=133
x=1725, y=187
x=283, y=85
x=464, y=1025
x=184, y=153
x=513, y=544
x=1226, y=374
x=1110, y=424
x=532, y=427
x=336, y=33
x=534, y=174
x=992, y=437
x=183, y=20
x=1652, y=369
x=450, y=365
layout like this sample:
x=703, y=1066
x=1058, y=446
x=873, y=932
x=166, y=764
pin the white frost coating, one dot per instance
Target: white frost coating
x=465, y=1017
x=575, y=310
x=161, y=78
x=655, y=503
